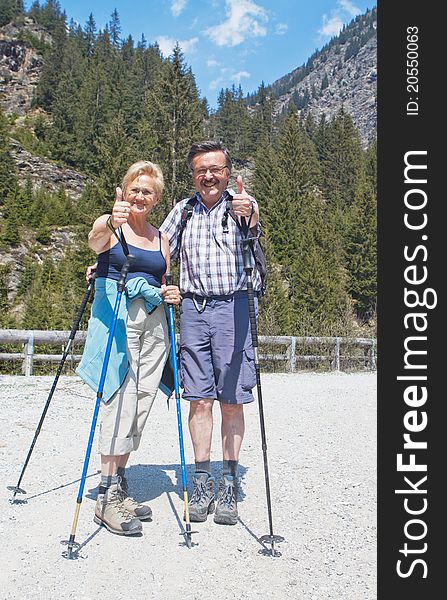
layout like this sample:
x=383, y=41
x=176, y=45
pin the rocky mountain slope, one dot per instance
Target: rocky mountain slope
x=343, y=73
x=21, y=64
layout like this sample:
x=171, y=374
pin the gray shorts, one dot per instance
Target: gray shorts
x=216, y=358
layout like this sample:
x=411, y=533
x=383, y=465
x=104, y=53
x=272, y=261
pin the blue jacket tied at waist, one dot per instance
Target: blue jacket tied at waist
x=90, y=367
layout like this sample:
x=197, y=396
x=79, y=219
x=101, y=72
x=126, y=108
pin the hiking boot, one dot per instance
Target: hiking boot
x=110, y=512
x=140, y=511
x=201, y=503
x=226, y=509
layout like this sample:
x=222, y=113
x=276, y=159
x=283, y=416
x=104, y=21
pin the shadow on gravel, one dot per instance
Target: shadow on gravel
x=147, y=482
x=25, y=500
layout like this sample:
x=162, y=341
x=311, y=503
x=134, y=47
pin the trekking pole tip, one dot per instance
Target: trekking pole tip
x=72, y=552
x=17, y=490
x=272, y=540
x=187, y=536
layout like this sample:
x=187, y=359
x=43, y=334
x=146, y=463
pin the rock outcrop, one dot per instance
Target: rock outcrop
x=46, y=173
x=20, y=65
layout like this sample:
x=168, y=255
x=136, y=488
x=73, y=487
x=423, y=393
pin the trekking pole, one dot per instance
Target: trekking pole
x=121, y=284
x=16, y=488
x=247, y=244
x=179, y=415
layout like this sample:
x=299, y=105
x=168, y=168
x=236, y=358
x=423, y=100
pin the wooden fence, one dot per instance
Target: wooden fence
x=285, y=352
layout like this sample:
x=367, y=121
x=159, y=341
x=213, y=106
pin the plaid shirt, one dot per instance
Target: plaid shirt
x=211, y=261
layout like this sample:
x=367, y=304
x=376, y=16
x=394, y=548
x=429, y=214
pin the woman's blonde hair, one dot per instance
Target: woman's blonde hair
x=144, y=167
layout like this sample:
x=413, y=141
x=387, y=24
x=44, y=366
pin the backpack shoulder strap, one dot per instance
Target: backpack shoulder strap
x=187, y=212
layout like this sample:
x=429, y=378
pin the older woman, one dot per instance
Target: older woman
x=141, y=337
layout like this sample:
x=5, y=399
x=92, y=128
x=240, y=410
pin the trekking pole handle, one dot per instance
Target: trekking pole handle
x=246, y=248
x=169, y=279
x=82, y=308
x=252, y=313
x=246, y=251
x=124, y=272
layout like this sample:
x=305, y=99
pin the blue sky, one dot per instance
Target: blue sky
x=228, y=42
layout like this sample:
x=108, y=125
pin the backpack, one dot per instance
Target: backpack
x=256, y=247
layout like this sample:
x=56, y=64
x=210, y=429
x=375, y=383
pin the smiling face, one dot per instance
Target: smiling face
x=210, y=175
x=142, y=195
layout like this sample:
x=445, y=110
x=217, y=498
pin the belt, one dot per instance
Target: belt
x=237, y=294
x=201, y=301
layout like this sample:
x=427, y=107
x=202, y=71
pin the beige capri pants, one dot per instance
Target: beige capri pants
x=123, y=418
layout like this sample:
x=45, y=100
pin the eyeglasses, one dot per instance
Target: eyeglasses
x=214, y=170
x=146, y=193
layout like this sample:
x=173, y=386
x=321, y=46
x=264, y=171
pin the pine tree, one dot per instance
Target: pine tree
x=8, y=189
x=173, y=120
x=10, y=10
x=27, y=276
x=23, y=201
x=275, y=315
x=116, y=151
x=51, y=16
x=62, y=137
x=4, y=301
x=362, y=252
x=310, y=127
x=90, y=34
x=34, y=10
x=95, y=103
x=115, y=29
x=10, y=234
x=278, y=204
x=263, y=121
x=298, y=156
x=8, y=170
x=342, y=161
x=232, y=122
x=142, y=67
x=317, y=276
x=49, y=78
x=266, y=170
x=371, y=166
x=39, y=298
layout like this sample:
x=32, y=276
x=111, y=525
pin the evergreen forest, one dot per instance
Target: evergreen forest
x=104, y=100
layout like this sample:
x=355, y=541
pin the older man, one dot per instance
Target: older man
x=216, y=350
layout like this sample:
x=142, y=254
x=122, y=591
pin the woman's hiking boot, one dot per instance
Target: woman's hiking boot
x=110, y=512
x=138, y=510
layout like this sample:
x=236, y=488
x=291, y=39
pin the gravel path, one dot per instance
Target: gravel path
x=321, y=431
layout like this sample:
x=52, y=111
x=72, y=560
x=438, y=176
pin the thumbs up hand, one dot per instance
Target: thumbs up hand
x=120, y=210
x=245, y=205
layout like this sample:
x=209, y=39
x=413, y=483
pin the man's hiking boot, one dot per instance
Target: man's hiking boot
x=201, y=503
x=226, y=509
x=110, y=512
x=140, y=511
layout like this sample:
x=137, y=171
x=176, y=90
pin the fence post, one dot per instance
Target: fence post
x=292, y=354
x=28, y=351
x=337, y=354
x=373, y=355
